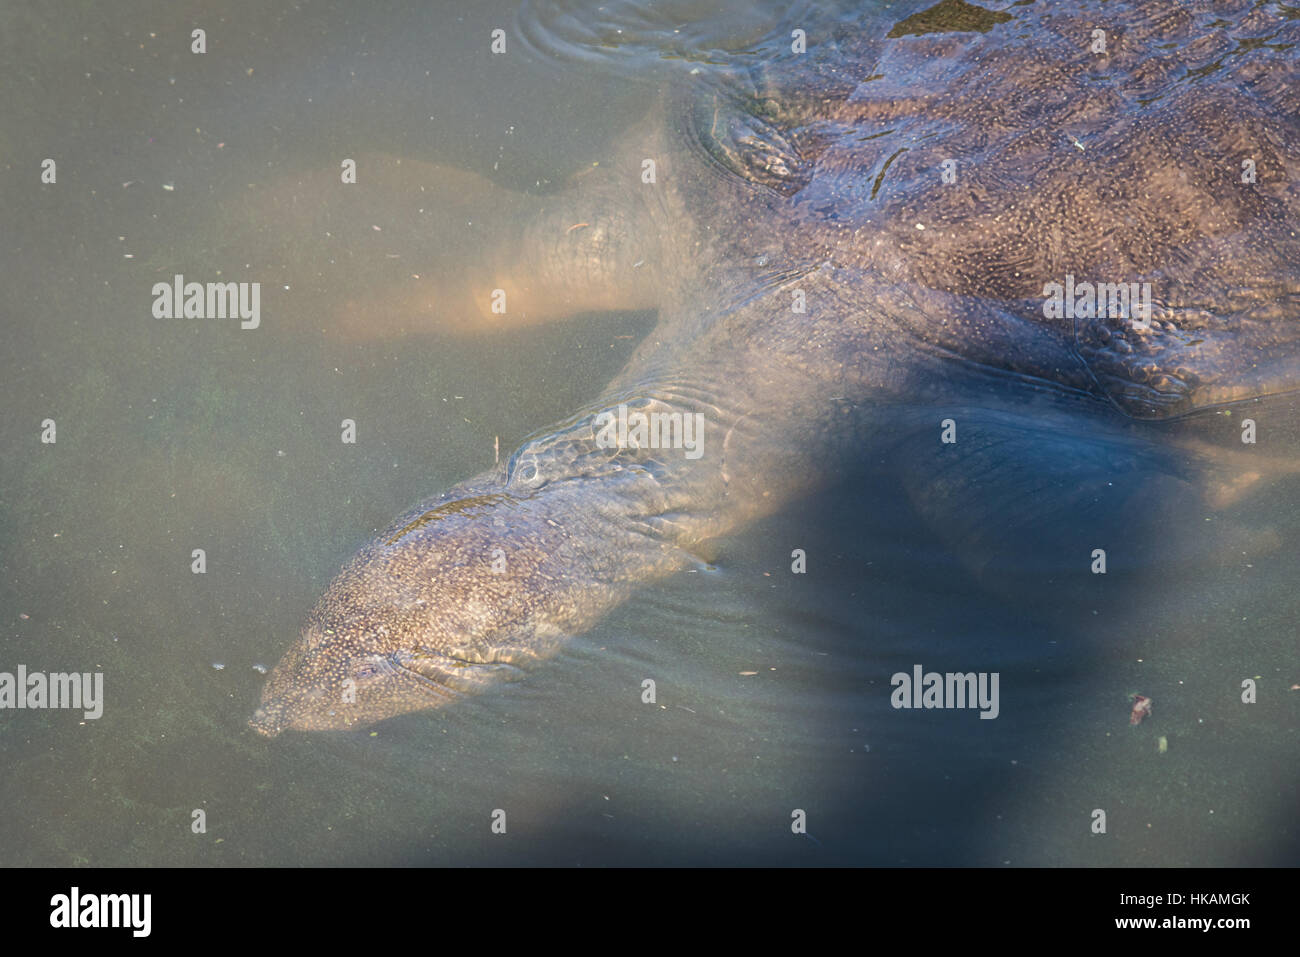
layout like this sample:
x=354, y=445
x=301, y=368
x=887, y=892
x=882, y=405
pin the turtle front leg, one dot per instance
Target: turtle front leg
x=590, y=248
x=1024, y=494
x=417, y=248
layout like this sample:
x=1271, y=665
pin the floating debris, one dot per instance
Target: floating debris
x=219, y=666
x=1141, y=708
x=1162, y=744
x=260, y=669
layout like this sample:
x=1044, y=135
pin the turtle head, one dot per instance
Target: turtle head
x=336, y=678
x=451, y=598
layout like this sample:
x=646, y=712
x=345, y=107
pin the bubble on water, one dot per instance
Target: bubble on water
x=260, y=669
x=219, y=666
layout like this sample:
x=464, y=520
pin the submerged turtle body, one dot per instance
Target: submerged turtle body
x=841, y=244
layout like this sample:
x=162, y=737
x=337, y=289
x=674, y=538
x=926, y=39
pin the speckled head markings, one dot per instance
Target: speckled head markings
x=870, y=225
x=432, y=610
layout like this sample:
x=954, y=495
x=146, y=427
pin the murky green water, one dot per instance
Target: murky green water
x=177, y=435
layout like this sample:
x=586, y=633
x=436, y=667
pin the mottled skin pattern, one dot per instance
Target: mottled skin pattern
x=822, y=174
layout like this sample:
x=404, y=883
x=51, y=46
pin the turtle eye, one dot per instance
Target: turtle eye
x=369, y=667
